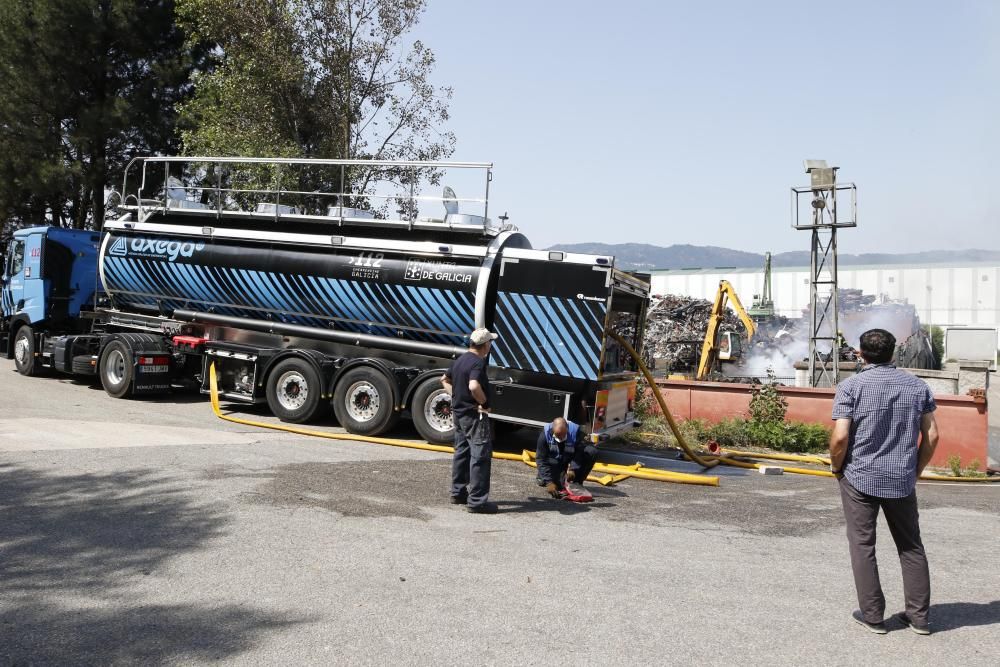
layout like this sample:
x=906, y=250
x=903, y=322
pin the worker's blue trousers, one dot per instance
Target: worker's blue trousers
x=470, y=468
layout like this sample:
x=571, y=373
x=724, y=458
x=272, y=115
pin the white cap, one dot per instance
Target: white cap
x=480, y=336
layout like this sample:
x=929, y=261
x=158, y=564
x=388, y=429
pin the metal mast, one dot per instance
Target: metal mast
x=823, y=221
x=763, y=304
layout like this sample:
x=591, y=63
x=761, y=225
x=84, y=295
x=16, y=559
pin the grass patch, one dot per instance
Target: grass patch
x=735, y=433
x=972, y=470
x=764, y=427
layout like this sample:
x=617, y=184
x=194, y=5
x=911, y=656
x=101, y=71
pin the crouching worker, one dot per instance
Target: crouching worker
x=564, y=459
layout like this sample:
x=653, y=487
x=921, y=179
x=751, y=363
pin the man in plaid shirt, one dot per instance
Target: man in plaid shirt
x=883, y=437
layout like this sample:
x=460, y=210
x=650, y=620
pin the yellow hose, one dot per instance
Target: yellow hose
x=704, y=463
x=798, y=471
x=636, y=470
x=214, y=393
x=818, y=460
x=926, y=477
x=933, y=477
x=525, y=456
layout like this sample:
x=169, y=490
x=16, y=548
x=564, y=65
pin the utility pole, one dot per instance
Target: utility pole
x=823, y=221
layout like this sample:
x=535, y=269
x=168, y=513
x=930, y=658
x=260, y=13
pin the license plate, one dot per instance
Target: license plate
x=159, y=368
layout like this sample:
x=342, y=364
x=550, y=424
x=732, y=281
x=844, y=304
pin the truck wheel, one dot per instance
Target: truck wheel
x=24, y=351
x=431, y=412
x=363, y=402
x=116, y=368
x=293, y=391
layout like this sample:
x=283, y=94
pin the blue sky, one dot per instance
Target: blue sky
x=687, y=122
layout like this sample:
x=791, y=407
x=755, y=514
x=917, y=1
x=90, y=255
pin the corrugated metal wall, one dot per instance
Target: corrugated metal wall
x=946, y=296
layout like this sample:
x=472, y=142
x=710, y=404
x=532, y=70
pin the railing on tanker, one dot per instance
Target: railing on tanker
x=229, y=192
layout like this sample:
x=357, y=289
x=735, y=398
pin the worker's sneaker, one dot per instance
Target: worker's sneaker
x=539, y=481
x=877, y=628
x=485, y=508
x=919, y=629
x=460, y=499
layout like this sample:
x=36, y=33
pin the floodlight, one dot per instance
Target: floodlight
x=823, y=176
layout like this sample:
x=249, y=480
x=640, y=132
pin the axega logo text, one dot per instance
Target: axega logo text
x=141, y=246
x=423, y=269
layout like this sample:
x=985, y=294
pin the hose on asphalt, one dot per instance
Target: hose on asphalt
x=691, y=454
x=613, y=470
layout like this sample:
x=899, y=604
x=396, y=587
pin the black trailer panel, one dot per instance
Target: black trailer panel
x=550, y=317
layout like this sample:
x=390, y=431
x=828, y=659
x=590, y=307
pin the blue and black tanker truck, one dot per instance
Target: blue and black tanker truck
x=306, y=299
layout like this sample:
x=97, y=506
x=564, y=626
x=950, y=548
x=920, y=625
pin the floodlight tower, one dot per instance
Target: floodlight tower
x=823, y=221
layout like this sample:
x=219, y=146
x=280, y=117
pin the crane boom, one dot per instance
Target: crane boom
x=710, y=346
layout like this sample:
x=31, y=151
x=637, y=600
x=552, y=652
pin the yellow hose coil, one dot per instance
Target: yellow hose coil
x=525, y=456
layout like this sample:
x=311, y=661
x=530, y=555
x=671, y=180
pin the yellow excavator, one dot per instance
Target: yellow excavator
x=725, y=345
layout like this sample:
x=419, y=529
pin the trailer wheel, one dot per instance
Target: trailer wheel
x=24, y=351
x=117, y=368
x=431, y=412
x=363, y=402
x=293, y=391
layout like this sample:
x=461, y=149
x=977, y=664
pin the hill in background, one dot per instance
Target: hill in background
x=645, y=257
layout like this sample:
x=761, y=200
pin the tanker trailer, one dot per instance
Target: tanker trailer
x=307, y=305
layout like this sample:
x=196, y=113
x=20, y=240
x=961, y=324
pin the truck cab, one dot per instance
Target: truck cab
x=48, y=279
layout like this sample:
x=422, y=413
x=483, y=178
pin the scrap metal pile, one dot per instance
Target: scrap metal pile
x=676, y=325
x=675, y=330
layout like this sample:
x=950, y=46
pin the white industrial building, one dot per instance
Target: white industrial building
x=963, y=294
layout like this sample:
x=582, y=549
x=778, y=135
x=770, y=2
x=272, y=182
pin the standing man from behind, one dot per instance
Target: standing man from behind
x=563, y=456
x=883, y=438
x=469, y=387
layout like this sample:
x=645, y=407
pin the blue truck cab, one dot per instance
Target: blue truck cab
x=49, y=280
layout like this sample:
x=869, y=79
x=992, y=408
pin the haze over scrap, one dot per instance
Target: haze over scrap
x=680, y=122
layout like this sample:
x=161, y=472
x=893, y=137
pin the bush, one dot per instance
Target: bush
x=767, y=405
x=955, y=463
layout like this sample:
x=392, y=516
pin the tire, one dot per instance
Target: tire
x=294, y=391
x=24, y=352
x=82, y=366
x=430, y=409
x=364, y=402
x=117, y=369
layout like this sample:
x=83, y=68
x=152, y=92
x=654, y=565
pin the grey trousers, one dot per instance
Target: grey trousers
x=861, y=514
x=473, y=460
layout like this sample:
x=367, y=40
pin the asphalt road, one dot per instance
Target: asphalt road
x=151, y=532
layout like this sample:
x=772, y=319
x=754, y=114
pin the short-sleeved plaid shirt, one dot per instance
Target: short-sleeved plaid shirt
x=885, y=406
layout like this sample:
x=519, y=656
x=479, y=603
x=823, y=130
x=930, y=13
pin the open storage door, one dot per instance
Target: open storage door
x=614, y=401
x=550, y=315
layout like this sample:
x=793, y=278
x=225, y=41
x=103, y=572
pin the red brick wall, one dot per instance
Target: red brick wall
x=961, y=420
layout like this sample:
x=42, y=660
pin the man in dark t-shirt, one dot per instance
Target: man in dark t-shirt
x=469, y=387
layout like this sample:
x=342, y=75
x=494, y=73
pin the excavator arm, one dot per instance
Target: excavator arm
x=710, y=347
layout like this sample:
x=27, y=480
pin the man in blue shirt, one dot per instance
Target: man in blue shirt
x=883, y=437
x=563, y=456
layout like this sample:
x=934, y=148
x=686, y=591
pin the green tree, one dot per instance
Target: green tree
x=86, y=86
x=316, y=78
